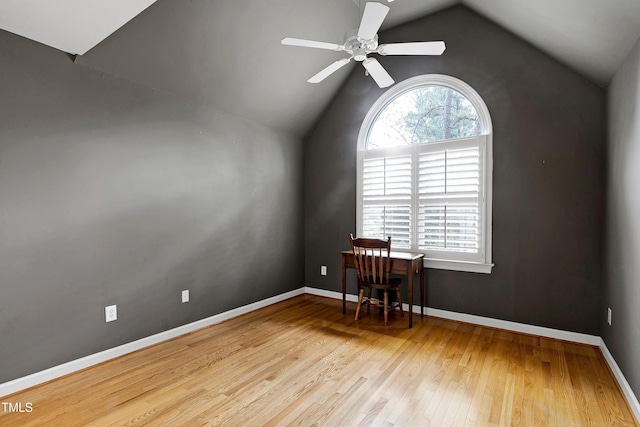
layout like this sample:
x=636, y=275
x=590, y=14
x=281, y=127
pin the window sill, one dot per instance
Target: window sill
x=471, y=267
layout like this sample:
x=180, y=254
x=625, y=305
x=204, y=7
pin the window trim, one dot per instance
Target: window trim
x=478, y=103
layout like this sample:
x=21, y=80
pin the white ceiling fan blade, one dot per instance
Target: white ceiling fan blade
x=329, y=70
x=379, y=74
x=418, y=48
x=374, y=14
x=290, y=41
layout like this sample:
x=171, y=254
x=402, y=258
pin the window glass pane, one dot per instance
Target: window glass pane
x=422, y=115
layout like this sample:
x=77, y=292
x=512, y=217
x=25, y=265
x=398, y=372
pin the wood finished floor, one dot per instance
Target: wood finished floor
x=301, y=362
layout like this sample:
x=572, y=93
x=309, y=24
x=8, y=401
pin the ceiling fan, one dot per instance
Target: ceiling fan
x=363, y=41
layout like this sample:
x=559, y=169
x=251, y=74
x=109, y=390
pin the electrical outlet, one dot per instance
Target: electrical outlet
x=323, y=270
x=609, y=315
x=110, y=313
x=185, y=295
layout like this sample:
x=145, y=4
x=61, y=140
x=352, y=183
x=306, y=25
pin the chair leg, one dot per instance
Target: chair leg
x=399, y=302
x=360, y=295
x=386, y=307
x=369, y=299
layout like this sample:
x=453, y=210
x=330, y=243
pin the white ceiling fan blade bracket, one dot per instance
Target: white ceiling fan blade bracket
x=371, y=45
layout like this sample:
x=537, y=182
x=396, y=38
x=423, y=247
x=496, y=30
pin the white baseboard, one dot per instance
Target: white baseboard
x=22, y=383
x=482, y=321
x=329, y=294
x=524, y=328
x=622, y=381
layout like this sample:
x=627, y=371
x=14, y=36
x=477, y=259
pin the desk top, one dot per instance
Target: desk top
x=408, y=256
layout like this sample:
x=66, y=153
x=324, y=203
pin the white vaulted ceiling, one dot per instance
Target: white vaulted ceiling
x=72, y=26
x=227, y=53
x=591, y=36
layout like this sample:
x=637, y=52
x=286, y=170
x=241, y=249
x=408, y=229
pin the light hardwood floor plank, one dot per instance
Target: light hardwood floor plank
x=302, y=362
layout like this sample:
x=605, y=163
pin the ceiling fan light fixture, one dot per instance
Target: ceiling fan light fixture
x=359, y=54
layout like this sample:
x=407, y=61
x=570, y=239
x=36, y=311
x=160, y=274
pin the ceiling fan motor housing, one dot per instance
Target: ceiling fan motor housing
x=358, y=47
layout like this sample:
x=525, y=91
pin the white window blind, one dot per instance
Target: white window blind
x=449, y=227
x=450, y=198
x=387, y=193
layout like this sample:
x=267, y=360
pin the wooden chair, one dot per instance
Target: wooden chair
x=371, y=257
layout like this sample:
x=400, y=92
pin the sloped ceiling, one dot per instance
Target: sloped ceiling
x=72, y=26
x=227, y=53
x=591, y=36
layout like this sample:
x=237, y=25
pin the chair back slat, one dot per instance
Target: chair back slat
x=371, y=259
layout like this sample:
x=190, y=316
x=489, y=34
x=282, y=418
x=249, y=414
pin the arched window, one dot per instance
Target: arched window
x=424, y=172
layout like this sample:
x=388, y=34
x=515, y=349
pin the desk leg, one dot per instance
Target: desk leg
x=410, y=284
x=421, y=289
x=344, y=287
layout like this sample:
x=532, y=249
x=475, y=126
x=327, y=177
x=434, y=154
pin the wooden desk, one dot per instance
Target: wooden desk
x=404, y=263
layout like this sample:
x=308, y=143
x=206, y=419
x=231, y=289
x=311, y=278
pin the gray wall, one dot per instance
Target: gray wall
x=113, y=193
x=549, y=144
x=622, y=279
